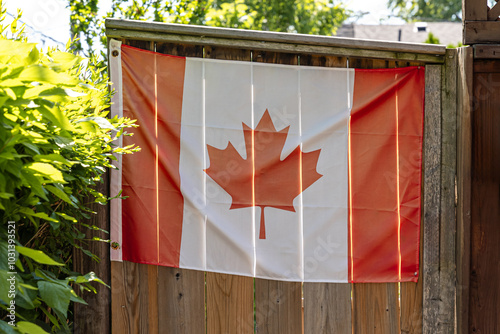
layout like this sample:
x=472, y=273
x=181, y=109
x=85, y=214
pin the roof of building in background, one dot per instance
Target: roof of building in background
x=446, y=32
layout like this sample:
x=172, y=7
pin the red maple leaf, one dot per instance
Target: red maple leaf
x=263, y=179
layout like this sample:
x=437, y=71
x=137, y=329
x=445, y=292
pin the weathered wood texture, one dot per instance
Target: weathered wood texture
x=375, y=308
x=432, y=197
x=327, y=308
x=484, y=300
x=181, y=301
x=278, y=307
x=98, y=308
x=464, y=155
x=475, y=10
x=447, y=237
x=484, y=51
x=481, y=32
x=230, y=302
x=272, y=41
x=266, y=36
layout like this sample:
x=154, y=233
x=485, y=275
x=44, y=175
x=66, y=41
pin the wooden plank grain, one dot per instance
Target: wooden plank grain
x=229, y=304
x=432, y=197
x=481, y=32
x=327, y=306
x=265, y=37
x=485, y=207
x=278, y=307
x=474, y=10
x=464, y=165
x=375, y=308
x=131, y=306
x=181, y=301
x=447, y=244
x=433, y=57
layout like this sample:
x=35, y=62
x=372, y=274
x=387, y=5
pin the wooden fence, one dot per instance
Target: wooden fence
x=152, y=299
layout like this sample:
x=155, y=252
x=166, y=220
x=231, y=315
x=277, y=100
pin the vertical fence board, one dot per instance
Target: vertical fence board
x=278, y=307
x=447, y=265
x=229, y=297
x=181, y=301
x=229, y=304
x=484, y=300
x=327, y=306
x=464, y=165
x=432, y=196
x=181, y=292
x=475, y=10
x=134, y=293
x=130, y=303
x=375, y=306
x=411, y=300
x=98, y=308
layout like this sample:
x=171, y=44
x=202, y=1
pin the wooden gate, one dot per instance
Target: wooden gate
x=152, y=299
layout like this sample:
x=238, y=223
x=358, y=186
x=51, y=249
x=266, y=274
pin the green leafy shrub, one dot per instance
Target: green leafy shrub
x=55, y=144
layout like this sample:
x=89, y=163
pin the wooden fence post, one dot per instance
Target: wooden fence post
x=432, y=197
x=96, y=316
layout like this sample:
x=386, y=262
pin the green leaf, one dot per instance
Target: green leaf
x=89, y=277
x=47, y=170
x=67, y=217
x=52, y=158
x=56, y=116
x=37, y=255
x=6, y=328
x=102, y=122
x=33, y=182
x=55, y=295
x=29, y=328
x=65, y=60
x=15, y=51
x=30, y=213
x=60, y=194
x=40, y=73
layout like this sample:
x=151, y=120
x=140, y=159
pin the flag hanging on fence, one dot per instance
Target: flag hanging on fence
x=283, y=172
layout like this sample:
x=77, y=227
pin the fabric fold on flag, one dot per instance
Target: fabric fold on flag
x=293, y=173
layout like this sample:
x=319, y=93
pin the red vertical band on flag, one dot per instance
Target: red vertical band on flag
x=152, y=213
x=385, y=155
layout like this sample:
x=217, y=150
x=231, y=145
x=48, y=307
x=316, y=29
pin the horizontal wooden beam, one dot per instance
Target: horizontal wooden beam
x=485, y=51
x=272, y=41
x=476, y=32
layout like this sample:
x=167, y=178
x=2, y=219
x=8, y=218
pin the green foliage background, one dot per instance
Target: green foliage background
x=321, y=17
x=55, y=144
x=427, y=10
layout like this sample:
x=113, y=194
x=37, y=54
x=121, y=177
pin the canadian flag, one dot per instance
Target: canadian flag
x=294, y=173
